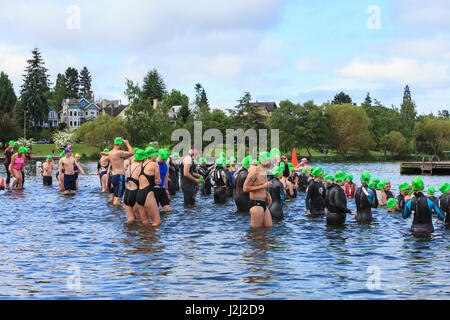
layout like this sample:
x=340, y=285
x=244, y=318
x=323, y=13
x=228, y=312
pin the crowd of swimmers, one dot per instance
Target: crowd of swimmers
x=146, y=179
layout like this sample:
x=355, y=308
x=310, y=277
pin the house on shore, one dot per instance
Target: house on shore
x=75, y=112
x=265, y=108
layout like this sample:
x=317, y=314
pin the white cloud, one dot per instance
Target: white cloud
x=13, y=60
x=310, y=64
x=398, y=70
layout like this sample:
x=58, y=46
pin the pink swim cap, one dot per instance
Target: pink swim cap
x=304, y=160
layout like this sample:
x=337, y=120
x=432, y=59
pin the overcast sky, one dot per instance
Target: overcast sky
x=275, y=49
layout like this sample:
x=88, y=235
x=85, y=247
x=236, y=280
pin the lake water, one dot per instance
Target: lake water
x=58, y=247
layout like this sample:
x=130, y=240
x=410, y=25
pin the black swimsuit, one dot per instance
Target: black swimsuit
x=131, y=195
x=141, y=195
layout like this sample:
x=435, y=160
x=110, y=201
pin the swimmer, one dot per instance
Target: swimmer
x=16, y=167
x=303, y=180
x=219, y=177
x=364, y=200
x=204, y=170
x=102, y=170
x=60, y=172
x=350, y=187
x=241, y=198
x=173, y=174
x=387, y=193
x=256, y=184
x=47, y=171
x=336, y=201
x=315, y=194
x=421, y=207
x=189, y=179
x=9, y=151
x=116, y=157
x=403, y=197
x=161, y=190
x=148, y=178
x=68, y=164
x=277, y=194
x=76, y=169
x=132, y=185
x=380, y=192
x=444, y=202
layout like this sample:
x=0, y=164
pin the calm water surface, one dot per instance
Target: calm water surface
x=50, y=241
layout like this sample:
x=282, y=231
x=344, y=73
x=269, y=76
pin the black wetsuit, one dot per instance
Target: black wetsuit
x=188, y=186
x=277, y=193
x=400, y=203
x=205, y=188
x=302, y=182
x=8, y=156
x=241, y=198
x=421, y=208
x=141, y=195
x=389, y=195
x=130, y=196
x=336, y=203
x=292, y=180
x=444, y=205
x=365, y=201
x=173, y=177
x=315, y=198
x=220, y=183
x=229, y=191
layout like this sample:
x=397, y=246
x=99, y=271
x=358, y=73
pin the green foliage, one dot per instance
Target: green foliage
x=7, y=95
x=101, y=132
x=348, y=128
x=433, y=135
x=34, y=92
x=246, y=115
x=154, y=86
x=85, y=82
x=59, y=92
x=341, y=98
x=72, y=83
x=63, y=139
x=393, y=142
x=9, y=130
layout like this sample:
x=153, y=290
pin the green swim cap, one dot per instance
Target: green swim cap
x=219, y=162
x=118, y=140
x=107, y=150
x=139, y=155
x=403, y=186
x=290, y=165
x=233, y=159
x=372, y=185
x=316, y=172
x=339, y=176
x=150, y=152
x=164, y=154
x=62, y=154
x=431, y=190
x=381, y=185
x=305, y=171
x=275, y=152
x=228, y=163
x=223, y=155
x=49, y=157
x=12, y=143
x=417, y=184
x=328, y=177
x=246, y=161
x=22, y=150
x=276, y=171
x=376, y=180
x=176, y=155
x=386, y=181
x=350, y=177
x=202, y=160
x=264, y=156
x=444, y=187
x=391, y=203
x=365, y=177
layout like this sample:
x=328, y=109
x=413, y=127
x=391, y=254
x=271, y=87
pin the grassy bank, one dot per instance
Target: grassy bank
x=41, y=150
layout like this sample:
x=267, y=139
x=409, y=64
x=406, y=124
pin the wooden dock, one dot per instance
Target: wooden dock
x=425, y=168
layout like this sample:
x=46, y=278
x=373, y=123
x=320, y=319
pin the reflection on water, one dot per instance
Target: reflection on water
x=209, y=251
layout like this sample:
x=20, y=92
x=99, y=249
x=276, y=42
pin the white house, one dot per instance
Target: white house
x=75, y=112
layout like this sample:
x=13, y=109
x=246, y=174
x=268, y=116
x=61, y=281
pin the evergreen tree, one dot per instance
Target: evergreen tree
x=247, y=115
x=35, y=91
x=406, y=95
x=198, y=92
x=73, y=83
x=154, y=86
x=85, y=82
x=7, y=95
x=408, y=115
x=9, y=130
x=341, y=98
x=368, y=100
x=203, y=99
x=59, y=93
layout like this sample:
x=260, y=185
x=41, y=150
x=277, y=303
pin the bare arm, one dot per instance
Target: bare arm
x=157, y=175
x=249, y=183
x=79, y=166
x=187, y=163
